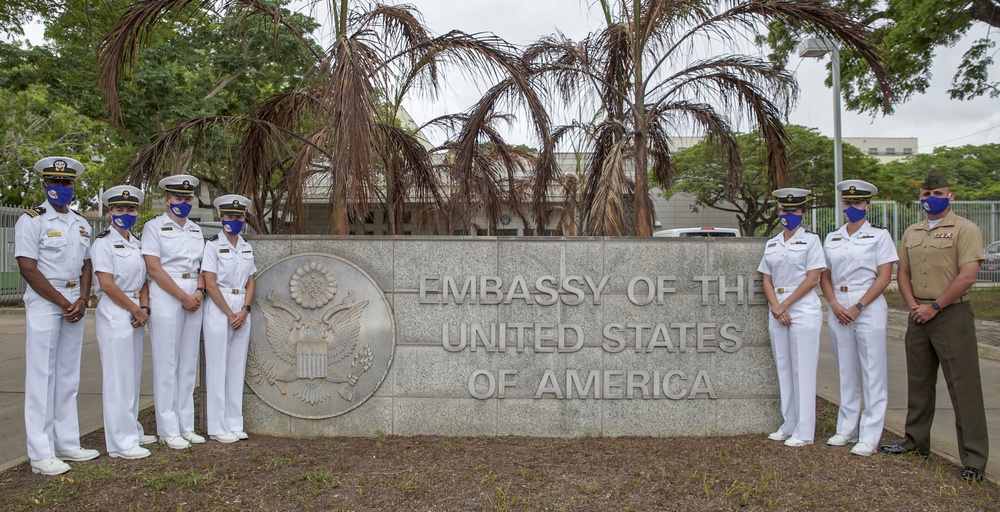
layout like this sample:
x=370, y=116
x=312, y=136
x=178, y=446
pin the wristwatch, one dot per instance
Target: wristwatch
x=247, y=307
x=935, y=306
x=860, y=306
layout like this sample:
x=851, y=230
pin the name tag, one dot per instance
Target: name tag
x=223, y=251
x=772, y=244
x=53, y=234
x=839, y=238
x=119, y=246
x=942, y=235
x=166, y=228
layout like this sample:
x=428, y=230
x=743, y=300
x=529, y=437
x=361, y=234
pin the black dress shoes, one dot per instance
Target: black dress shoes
x=971, y=475
x=898, y=449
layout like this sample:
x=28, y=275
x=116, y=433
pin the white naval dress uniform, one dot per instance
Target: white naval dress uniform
x=173, y=332
x=59, y=242
x=859, y=347
x=226, y=349
x=795, y=347
x=120, y=344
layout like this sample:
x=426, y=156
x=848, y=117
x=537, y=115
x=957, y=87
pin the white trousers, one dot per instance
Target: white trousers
x=796, y=355
x=859, y=349
x=121, y=371
x=225, y=367
x=174, y=335
x=52, y=376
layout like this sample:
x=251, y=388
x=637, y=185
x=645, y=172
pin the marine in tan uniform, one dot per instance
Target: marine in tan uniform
x=938, y=262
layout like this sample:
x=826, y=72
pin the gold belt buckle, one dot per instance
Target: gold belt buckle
x=236, y=291
x=70, y=284
x=186, y=275
x=779, y=290
x=843, y=288
x=135, y=295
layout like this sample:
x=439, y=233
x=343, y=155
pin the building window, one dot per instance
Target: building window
x=890, y=151
x=407, y=217
x=907, y=151
x=548, y=232
x=507, y=232
x=458, y=232
x=370, y=218
x=872, y=151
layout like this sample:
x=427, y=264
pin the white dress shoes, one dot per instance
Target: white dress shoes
x=135, y=452
x=777, y=436
x=192, y=438
x=864, y=449
x=147, y=439
x=226, y=438
x=795, y=443
x=840, y=440
x=78, y=455
x=175, y=442
x=241, y=435
x=49, y=467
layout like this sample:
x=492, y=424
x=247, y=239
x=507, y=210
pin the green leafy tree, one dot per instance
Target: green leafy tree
x=32, y=127
x=648, y=88
x=972, y=171
x=703, y=172
x=910, y=32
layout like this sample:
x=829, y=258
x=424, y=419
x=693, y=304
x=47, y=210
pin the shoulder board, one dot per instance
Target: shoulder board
x=213, y=237
x=78, y=214
x=104, y=233
x=807, y=231
x=876, y=226
x=35, y=212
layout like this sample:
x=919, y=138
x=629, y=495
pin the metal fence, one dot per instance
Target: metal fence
x=896, y=217
x=11, y=284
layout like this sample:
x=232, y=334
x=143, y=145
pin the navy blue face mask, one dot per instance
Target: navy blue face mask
x=934, y=205
x=791, y=220
x=232, y=227
x=855, y=214
x=124, y=221
x=181, y=209
x=59, y=195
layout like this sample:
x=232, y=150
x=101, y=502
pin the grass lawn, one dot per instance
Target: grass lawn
x=985, y=302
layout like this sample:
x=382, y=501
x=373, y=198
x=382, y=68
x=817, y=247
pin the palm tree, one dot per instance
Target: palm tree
x=342, y=122
x=638, y=70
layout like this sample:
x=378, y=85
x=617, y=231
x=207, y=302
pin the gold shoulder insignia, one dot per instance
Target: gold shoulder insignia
x=104, y=233
x=213, y=237
x=35, y=212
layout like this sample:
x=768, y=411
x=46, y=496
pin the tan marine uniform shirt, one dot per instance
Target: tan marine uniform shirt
x=934, y=255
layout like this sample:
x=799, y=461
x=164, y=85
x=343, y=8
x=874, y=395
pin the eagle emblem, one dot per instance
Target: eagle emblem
x=853, y=189
x=790, y=198
x=59, y=166
x=314, y=346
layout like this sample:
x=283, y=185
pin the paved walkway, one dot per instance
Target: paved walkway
x=12, y=437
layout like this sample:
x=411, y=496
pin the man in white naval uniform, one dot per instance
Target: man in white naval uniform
x=52, y=247
x=173, y=246
x=229, y=270
x=859, y=260
x=120, y=322
x=791, y=266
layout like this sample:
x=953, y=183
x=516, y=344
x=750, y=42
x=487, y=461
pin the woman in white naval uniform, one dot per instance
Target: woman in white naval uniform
x=791, y=266
x=173, y=246
x=120, y=322
x=859, y=258
x=229, y=269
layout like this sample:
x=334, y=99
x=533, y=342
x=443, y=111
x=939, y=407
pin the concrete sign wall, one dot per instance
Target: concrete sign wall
x=509, y=336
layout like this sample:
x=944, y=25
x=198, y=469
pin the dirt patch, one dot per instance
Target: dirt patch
x=502, y=473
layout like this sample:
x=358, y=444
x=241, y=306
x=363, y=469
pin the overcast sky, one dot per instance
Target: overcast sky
x=933, y=118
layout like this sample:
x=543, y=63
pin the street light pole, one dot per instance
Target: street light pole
x=838, y=148
x=818, y=48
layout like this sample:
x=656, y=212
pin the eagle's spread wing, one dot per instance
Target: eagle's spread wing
x=346, y=327
x=278, y=333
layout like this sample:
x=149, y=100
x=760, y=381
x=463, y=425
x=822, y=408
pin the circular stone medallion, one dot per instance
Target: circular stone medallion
x=322, y=336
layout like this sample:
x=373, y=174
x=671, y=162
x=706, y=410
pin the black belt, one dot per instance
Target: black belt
x=963, y=298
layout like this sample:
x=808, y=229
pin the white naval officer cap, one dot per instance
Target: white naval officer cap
x=179, y=184
x=232, y=203
x=122, y=195
x=792, y=197
x=59, y=167
x=856, y=189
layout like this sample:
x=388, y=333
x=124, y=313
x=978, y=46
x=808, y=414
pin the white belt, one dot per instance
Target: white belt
x=185, y=275
x=852, y=287
x=62, y=283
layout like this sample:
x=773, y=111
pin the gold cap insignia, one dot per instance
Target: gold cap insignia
x=790, y=198
x=853, y=189
x=59, y=166
x=187, y=183
x=236, y=202
x=125, y=193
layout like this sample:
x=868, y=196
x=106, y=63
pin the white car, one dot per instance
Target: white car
x=699, y=232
